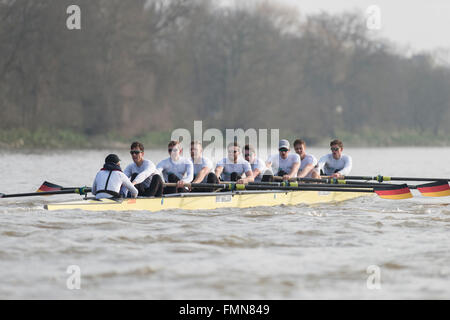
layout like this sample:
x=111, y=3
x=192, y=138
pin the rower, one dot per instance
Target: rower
x=143, y=173
x=233, y=167
x=285, y=164
x=202, y=165
x=335, y=164
x=258, y=166
x=308, y=161
x=176, y=169
x=110, y=179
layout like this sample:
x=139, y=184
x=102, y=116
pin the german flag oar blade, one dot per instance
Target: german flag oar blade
x=48, y=186
x=435, y=189
x=396, y=193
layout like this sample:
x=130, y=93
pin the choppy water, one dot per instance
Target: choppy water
x=299, y=252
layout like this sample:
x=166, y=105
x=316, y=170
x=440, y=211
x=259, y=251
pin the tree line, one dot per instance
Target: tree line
x=142, y=66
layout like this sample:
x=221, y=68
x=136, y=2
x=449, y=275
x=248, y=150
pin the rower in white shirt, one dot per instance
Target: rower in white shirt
x=110, y=178
x=176, y=169
x=258, y=166
x=143, y=173
x=202, y=165
x=308, y=161
x=284, y=164
x=335, y=164
x=233, y=167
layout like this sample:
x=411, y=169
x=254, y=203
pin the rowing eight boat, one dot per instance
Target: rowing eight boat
x=209, y=200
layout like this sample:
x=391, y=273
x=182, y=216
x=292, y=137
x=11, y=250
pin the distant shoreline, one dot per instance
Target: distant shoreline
x=44, y=139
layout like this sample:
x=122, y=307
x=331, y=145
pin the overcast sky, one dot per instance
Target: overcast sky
x=414, y=25
x=419, y=24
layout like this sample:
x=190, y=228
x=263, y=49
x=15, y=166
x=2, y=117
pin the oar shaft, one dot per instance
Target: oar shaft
x=305, y=187
x=308, y=188
x=314, y=185
x=45, y=193
x=381, y=178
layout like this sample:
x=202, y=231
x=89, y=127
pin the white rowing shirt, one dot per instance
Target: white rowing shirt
x=116, y=180
x=261, y=166
x=204, y=162
x=284, y=164
x=329, y=165
x=182, y=168
x=146, y=170
x=240, y=167
x=309, y=159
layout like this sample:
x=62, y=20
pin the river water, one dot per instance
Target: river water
x=367, y=248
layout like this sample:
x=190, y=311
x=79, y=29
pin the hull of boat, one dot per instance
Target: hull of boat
x=204, y=201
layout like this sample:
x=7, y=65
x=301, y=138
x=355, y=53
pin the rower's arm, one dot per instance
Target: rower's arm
x=347, y=167
x=256, y=173
x=201, y=175
x=94, y=187
x=129, y=185
x=249, y=177
x=303, y=173
x=294, y=170
x=218, y=171
x=189, y=173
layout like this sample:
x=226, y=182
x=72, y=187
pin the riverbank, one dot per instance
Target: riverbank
x=67, y=139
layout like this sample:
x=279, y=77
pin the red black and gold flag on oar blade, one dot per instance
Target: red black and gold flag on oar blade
x=393, y=192
x=48, y=186
x=435, y=189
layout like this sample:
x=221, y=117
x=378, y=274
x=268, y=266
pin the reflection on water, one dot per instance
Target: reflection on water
x=300, y=252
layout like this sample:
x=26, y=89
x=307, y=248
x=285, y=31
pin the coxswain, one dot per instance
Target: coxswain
x=110, y=179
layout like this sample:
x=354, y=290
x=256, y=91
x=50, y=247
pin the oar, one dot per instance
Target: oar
x=384, y=191
x=80, y=191
x=438, y=188
x=49, y=186
x=381, y=178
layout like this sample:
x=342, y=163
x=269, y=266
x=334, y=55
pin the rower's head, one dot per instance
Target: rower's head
x=174, y=148
x=336, y=148
x=283, y=148
x=113, y=159
x=196, y=149
x=234, y=150
x=300, y=148
x=249, y=153
x=137, y=152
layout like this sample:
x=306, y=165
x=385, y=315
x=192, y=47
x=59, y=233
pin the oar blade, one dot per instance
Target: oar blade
x=48, y=186
x=435, y=189
x=394, y=193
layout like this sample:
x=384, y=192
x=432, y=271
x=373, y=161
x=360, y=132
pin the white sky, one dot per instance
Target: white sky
x=415, y=25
